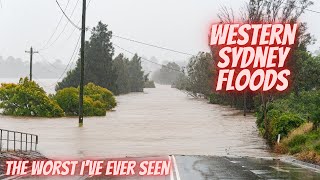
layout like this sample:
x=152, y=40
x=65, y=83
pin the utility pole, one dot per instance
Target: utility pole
x=83, y=35
x=31, y=52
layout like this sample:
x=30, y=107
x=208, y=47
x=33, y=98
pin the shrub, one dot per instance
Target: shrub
x=68, y=100
x=98, y=93
x=27, y=98
x=284, y=124
x=289, y=112
x=315, y=117
x=96, y=101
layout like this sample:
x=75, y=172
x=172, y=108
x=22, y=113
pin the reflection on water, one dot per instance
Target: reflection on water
x=160, y=121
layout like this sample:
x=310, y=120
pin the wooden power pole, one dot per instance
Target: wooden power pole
x=83, y=35
x=31, y=52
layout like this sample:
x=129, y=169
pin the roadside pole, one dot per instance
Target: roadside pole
x=83, y=35
x=31, y=52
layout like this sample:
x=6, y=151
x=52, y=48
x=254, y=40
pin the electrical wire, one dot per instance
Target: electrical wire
x=67, y=67
x=152, y=45
x=45, y=59
x=71, y=22
x=77, y=24
x=144, y=59
x=55, y=30
x=147, y=44
x=302, y=7
x=56, y=39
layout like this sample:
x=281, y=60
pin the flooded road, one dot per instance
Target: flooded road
x=160, y=121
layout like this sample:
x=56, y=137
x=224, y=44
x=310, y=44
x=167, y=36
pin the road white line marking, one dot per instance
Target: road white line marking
x=176, y=168
x=171, y=169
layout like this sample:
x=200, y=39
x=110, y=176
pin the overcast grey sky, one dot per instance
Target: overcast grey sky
x=178, y=24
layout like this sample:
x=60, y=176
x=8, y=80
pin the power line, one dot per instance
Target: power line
x=63, y=27
x=67, y=67
x=144, y=59
x=152, y=45
x=148, y=44
x=71, y=59
x=77, y=24
x=67, y=16
x=302, y=8
x=45, y=59
x=55, y=30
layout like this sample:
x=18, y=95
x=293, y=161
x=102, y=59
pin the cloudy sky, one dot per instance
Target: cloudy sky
x=177, y=24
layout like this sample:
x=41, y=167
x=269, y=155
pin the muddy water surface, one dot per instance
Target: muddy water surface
x=160, y=121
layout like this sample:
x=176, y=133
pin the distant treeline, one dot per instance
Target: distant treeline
x=167, y=74
x=15, y=68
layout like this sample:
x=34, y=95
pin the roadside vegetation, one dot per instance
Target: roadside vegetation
x=27, y=98
x=295, y=114
x=96, y=101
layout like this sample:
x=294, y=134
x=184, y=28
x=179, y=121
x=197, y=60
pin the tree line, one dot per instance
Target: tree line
x=120, y=75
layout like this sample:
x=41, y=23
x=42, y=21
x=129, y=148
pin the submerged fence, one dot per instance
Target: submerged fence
x=17, y=141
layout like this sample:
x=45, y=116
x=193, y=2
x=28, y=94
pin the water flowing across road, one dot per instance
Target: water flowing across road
x=160, y=121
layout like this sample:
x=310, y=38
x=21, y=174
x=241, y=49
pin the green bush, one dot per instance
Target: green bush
x=68, y=100
x=315, y=118
x=98, y=93
x=27, y=98
x=284, y=123
x=96, y=102
x=289, y=112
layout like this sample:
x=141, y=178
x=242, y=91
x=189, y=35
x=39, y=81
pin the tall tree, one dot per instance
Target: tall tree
x=98, y=61
x=200, y=72
x=121, y=67
x=136, y=74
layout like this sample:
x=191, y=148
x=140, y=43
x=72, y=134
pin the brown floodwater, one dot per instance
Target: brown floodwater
x=160, y=121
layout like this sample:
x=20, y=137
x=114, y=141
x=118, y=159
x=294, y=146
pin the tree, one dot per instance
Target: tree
x=200, y=72
x=98, y=61
x=168, y=73
x=136, y=74
x=121, y=67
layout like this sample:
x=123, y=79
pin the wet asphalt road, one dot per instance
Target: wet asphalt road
x=226, y=168
x=213, y=167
